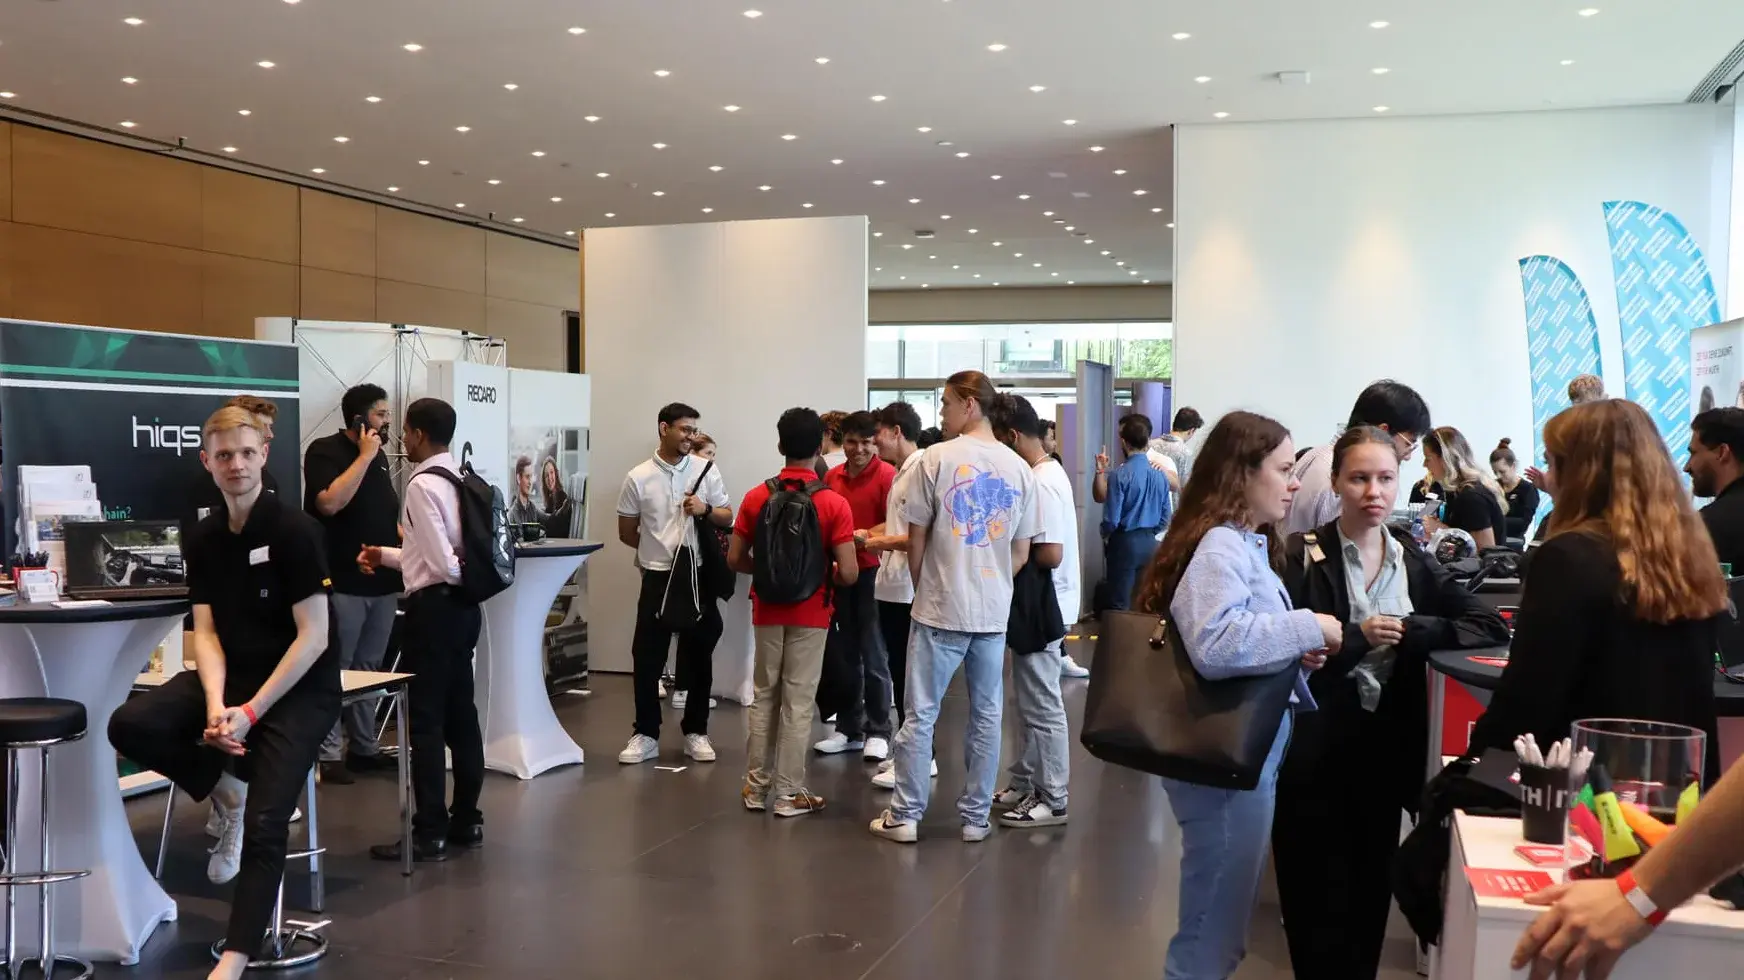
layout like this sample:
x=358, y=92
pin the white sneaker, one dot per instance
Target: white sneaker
x=699, y=748
x=885, y=777
x=215, y=819
x=661, y=686
x=1032, y=812
x=641, y=749
x=1071, y=668
x=1009, y=798
x=890, y=828
x=679, y=700
x=876, y=750
x=838, y=743
x=226, y=858
x=973, y=834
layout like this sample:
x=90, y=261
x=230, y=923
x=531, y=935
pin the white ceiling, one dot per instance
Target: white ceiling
x=1112, y=65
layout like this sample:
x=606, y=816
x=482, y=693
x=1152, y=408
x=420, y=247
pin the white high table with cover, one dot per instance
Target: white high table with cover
x=522, y=736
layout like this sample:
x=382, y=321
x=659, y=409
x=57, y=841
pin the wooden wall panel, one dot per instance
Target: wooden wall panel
x=82, y=185
x=245, y=215
x=70, y=277
x=5, y=171
x=235, y=290
x=336, y=296
x=531, y=272
x=417, y=248
x=338, y=233
x=428, y=306
x=534, y=333
x=6, y=269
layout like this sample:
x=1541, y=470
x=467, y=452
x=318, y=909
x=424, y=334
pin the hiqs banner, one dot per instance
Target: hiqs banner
x=130, y=406
x=1663, y=292
x=1561, y=336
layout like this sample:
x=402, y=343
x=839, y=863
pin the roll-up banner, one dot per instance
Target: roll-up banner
x=131, y=406
x=480, y=396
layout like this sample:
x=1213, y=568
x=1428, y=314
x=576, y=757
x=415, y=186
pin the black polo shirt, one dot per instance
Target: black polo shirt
x=372, y=517
x=1725, y=520
x=251, y=580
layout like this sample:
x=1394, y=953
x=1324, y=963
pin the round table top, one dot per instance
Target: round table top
x=1459, y=665
x=126, y=610
x=556, y=548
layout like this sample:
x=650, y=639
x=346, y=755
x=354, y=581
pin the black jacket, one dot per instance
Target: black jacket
x=1341, y=734
x=1035, y=619
x=1724, y=518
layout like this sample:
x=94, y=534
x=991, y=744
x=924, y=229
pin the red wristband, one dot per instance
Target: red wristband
x=252, y=718
x=1637, y=897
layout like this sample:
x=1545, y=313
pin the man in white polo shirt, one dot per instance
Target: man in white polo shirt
x=655, y=510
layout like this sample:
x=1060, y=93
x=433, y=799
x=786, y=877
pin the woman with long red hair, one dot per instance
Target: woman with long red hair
x=1619, y=614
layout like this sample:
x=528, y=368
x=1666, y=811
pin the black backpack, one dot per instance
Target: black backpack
x=487, y=546
x=789, y=563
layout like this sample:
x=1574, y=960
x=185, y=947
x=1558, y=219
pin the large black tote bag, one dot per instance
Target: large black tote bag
x=1149, y=709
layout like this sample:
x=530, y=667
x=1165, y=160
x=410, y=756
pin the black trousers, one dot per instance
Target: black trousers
x=855, y=686
x=441, y=630
x=696, y=665
x=1332, y=844
x=894, y=623
x=161, y=730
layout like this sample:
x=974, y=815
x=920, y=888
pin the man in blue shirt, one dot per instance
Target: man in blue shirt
x=1135, y=509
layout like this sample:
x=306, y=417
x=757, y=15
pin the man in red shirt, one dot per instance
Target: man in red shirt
x=790, y=635
x=856, y=683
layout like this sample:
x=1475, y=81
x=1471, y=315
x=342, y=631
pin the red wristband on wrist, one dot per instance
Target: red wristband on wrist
x=252, y=718
x=1638, y=898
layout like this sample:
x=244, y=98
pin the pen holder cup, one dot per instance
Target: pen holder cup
x=1643, y=777
x=1544, y=796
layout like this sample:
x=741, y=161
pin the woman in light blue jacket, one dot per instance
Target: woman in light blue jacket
x=1216, y=576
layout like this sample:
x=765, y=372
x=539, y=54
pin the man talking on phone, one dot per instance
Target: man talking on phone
x=348, y=488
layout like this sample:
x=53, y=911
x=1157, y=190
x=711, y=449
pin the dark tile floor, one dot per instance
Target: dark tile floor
x=606, y=871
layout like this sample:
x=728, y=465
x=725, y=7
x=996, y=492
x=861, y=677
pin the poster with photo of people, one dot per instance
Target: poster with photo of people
x=548, y=479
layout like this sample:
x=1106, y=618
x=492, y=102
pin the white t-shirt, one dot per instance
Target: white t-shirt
x=1059, y=521
x=893, y=583
x=1316, y=502
x=976, y=497
x=654, y=492
x=835, y=459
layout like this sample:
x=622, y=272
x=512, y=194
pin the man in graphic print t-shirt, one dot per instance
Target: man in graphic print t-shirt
x=972, y=513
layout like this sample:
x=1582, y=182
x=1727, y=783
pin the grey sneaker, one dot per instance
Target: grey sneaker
x=1010, y=797
x=1032, y=812
x=976, y=833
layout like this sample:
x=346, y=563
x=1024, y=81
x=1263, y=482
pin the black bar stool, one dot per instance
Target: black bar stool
x=35, y=723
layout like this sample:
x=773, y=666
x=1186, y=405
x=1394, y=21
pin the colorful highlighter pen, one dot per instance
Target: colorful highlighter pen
x=1619, y=840
x=1644, y=824
x=1587, y=826
x=1687, y=800
x=1586, y=798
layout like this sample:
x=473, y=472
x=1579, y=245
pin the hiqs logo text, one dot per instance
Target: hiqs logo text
x=154, y=435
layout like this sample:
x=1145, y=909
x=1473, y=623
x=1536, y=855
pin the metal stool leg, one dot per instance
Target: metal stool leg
x=281, y=948
x=11, y=861
x=163, y=841
x=46, y=959
x=317, y=873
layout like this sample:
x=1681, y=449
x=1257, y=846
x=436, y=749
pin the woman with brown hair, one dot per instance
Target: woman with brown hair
x=1520, y=494
x=1618, y=617
x=1216, y=577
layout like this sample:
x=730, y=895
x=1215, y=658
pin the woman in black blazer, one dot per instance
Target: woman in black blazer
x=1358, y=762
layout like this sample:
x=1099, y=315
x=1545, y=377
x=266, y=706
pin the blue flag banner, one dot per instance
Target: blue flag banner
x=1562, y=337
x=1663, y=292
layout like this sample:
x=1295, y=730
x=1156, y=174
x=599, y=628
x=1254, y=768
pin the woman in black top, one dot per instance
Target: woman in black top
x=1470, y=498
x=1519, y=493
x=1619, y=618
x=1355, y=763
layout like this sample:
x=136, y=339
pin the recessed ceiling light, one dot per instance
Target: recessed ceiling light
x=423, y=163
x=1017, y=255
x=1038, y=88
x=806, y=205
x=1140, y=193
x=923, y=129
x=1202, y=79
x=1380, y=71
x=1023, y=197
x=611, y=214
x=659, y=193
x=372, y=98
x=1221, y=115
x=659, y=146
x=907, y=245
x=1070, y=122
x=128, y=124
x=1053, y=273
x=1382, y=108
x=914, y=200
x=318, y=170
x=493, y=181
x=1588, y=11
x=995, y=177
x=413, y=47
x=1377, y=24
x=962, y=153
x=998, y=244
x=538, y=153
x=1071, y=227
x=245, y=112
x=753, y=14
x=591, y=118
x=661, y=73
x=1089, y=241
x=789, y=136
x=265, y=64
x=1567, y=61
x=975, y=275
x=1120, y=173
x=765, y=187
x=461, y=204
x=974, y=231
x=557, y=200
x=1107, y=252
x=132, y=21
x=130, y=80
x=838, y=161
x=511, y=86
x=602, y=175
x=956, y=267
x=1146, y=282
x=731, y=108
x=878, y=183
x=393, y=190
x=877, y=234
x=230, y=149
x=519, y=220
x=577, y=30
x=716, y=168
x=463, y=129
x=1036, y=264
x=8, y=95
x=822, y=61
x=708, y=210
x=341, y=139
x=1156, y=210
x=571, y=234
x=944, y=217
x=1097, y=149
x=1180, y=35
x=877, y=98
x=1047, y=214
x=1121, y=264
x=996, y=47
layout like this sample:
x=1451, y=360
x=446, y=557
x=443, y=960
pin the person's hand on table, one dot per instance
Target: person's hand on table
x=228, y=731
x=1588, y=927
x=1383, y=631
x=369, y=558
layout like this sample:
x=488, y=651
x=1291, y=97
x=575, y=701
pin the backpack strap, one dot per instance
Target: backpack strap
x=445, y=474
x=1311, y=547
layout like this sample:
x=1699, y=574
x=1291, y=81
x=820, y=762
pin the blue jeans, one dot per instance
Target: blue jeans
x=1127, y=554
x=933, y=658
x=1043, y=764
x=1224, y=837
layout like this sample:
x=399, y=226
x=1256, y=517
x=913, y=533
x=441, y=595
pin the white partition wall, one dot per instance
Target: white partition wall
x=1313, y=258
x=741, y=320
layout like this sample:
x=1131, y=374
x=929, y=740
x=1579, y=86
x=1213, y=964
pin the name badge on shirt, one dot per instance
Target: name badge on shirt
x=258, y=556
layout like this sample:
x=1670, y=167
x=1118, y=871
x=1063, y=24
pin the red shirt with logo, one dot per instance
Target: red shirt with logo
x=867, y=495
x=835, y=521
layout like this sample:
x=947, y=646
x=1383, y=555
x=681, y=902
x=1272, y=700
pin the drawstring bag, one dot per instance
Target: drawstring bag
x=681, y=603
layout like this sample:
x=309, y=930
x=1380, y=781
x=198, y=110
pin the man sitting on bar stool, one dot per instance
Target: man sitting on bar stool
x=266, y=686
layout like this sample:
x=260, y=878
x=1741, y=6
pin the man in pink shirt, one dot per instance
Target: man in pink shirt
x=440, y=630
